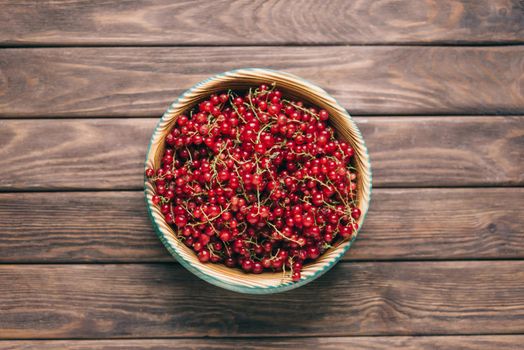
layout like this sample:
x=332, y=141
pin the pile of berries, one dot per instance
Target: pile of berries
x=257, y=181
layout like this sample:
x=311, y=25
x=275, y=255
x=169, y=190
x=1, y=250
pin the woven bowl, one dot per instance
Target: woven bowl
x=290, y=85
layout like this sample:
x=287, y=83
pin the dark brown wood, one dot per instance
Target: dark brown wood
x=402, y=224
x=366, y=80
x=442, y=224
x=499, y=342
x=61, y=154
x=164, y=22
x=451, y=151
x=411, y=151
x=165, y=300
x=394, y=289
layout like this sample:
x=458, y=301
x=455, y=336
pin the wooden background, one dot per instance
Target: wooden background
x=437, y=88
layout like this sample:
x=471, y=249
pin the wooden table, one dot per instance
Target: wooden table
x=435, y=86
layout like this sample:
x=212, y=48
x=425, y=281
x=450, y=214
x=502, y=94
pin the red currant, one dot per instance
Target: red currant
x=257, y=181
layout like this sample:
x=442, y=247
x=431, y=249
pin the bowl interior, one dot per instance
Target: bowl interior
x=296, y=88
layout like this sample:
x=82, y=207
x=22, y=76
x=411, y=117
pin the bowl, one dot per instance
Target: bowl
x=295, y=87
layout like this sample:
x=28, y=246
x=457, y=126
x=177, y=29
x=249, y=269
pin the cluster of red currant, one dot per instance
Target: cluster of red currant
x=257, y=181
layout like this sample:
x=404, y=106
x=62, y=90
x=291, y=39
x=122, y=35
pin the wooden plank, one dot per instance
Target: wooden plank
x=65, y=154
x=410, y=151
x=366, y=80
x=476, y=342
x=432, y=224
x=164, y=300
x=81, y=22
x=454, y=151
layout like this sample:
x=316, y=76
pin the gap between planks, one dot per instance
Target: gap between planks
x=175, y=262
x=206, y=45
x=269, y=337
x=370, y=116
x=139, y=189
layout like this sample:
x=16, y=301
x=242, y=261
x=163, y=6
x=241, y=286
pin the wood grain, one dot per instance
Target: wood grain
x=120, y=285
x=410, y=151
x=65, y=82
x=82, y=22
x=454, y=151
x=164, y=300
x=62, y=154
x=499, y=342
x=432, y=224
